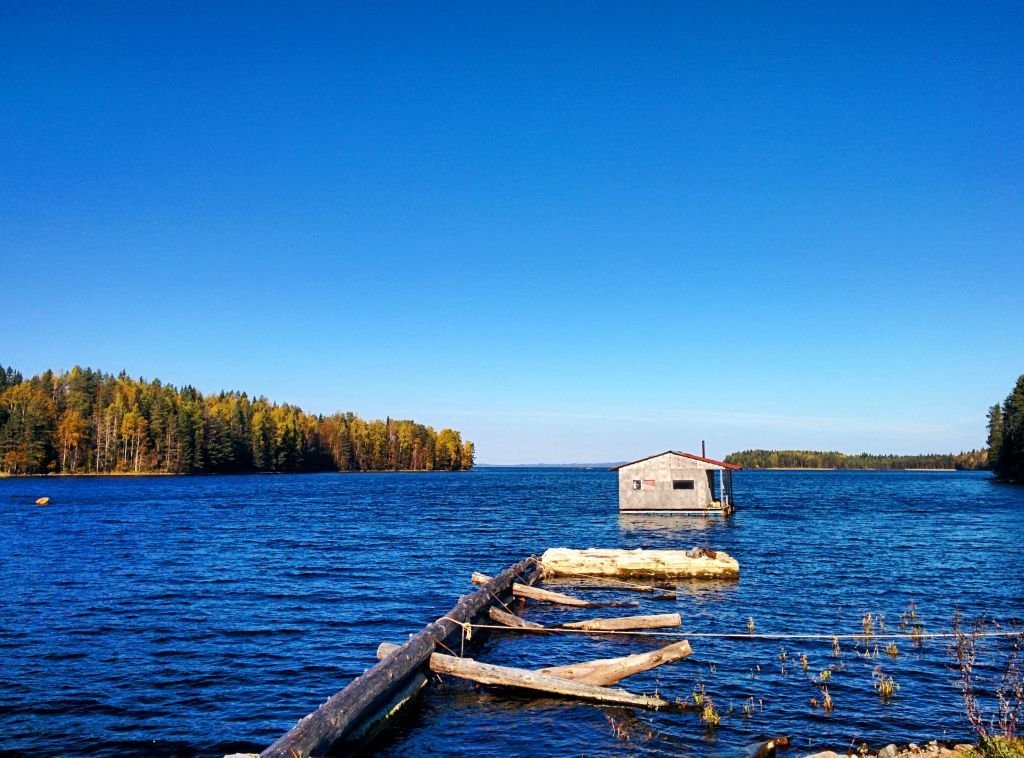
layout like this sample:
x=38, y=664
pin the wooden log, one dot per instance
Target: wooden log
x=605, y=671
x=511, y=619
x=505, y=676
x=638, y=563
x=547, y=596
x=658, y=592
x=658, y=621
x=366, y=700
x=557, y=598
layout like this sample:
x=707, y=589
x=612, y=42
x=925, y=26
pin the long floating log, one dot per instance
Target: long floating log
x=505, y=676
x=658, y=621
x=607, y=671
x=657, y=592
x=638, y=563
x=557, y=598
x=370, y=697
x=511, y=619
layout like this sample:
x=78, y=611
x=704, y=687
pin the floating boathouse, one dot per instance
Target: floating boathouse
x=673, y=482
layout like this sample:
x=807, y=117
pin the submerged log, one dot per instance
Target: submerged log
x=511, y=619
x=505, y=676
x=638, y=563
x=356, y=711
x=658, y=621
x=605, y=671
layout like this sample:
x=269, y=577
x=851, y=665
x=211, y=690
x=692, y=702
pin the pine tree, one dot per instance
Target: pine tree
x=995, y=435
x=1011, y=454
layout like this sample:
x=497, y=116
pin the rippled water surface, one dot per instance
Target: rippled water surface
x=207, y=614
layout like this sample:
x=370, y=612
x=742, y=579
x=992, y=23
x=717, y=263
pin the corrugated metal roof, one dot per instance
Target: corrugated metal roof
x=691, y=456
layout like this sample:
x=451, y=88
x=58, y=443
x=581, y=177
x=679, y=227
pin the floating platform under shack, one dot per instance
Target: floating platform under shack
x=650, y=564
x=351, y=718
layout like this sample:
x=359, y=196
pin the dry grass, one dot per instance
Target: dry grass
x=997, y=731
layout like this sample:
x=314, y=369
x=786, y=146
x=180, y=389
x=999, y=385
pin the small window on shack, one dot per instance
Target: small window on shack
x=682, y=484
x=636, y=484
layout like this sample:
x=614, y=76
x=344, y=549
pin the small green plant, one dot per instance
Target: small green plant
x=1001, y=747
x=868, y=624
x=698, y=695
x=708, y=715
x=917, y=634
x=909, y=616
x=825, y=675
x=885, y=686
x=826, y=702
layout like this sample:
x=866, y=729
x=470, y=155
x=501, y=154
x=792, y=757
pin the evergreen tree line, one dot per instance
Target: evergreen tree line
x=85, y=421
x=971, y=460
x=1006, y=435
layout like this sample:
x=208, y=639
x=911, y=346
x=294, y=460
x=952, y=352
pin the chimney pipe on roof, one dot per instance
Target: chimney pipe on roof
x=702, y=453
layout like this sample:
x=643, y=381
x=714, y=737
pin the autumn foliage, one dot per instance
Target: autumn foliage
x=85, y=421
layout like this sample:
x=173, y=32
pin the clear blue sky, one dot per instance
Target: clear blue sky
x=576, y=232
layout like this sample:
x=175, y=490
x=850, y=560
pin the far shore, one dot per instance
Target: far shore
x=835, y=468
x=103, y=474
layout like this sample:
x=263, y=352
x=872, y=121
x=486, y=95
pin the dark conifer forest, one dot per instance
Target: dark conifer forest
x=86, y=422
x=971, y=460
x=1006, y=435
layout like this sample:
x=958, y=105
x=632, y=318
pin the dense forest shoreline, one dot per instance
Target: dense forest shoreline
x=828, y=460
x=88, y=422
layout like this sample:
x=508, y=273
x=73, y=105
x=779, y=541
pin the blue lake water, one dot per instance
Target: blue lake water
x=203, y=615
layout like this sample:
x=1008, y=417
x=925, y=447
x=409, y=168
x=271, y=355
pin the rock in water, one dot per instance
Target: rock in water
x=43, y=501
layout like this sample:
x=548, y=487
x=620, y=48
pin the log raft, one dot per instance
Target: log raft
x=353, y=715
x=676, y=564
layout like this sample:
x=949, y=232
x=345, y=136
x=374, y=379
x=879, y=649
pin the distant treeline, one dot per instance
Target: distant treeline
x=1006, y=435
x=972, y=460
x=85, y=421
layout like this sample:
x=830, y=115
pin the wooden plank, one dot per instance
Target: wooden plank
x=603, y=672
x=639, y=563
x=367, y=697
x=657, y=621
x=505, y=676
x=511, y=619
